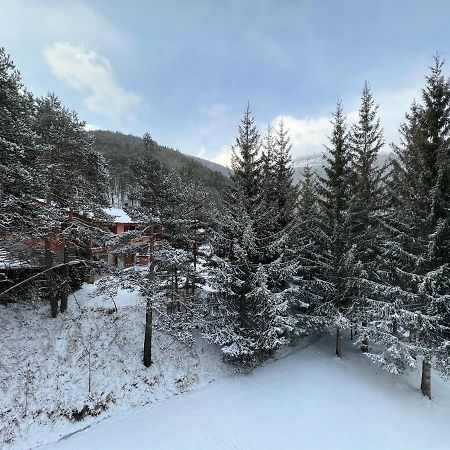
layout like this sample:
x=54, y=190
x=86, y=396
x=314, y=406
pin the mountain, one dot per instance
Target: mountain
x=119, y=149
x=316, y=163
x=212, y=166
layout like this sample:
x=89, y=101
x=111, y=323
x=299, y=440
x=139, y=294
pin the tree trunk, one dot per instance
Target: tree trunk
x=148, y=334
x=365, y=341
x=49, y=275
x=66, y=282
x=394, y=326
x=149, y=306
x=425, y=385
x=338, y=342
x=194, y=255
x=90, y=372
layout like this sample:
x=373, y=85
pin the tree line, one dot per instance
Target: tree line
x=121, y=150
x=362, y=249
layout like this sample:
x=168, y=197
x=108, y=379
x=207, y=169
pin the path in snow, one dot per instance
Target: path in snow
x=309, y=400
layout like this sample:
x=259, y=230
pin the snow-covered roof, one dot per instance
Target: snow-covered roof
x=9, y=261
x=120, y=216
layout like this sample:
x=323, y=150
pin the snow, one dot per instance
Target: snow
x=44, y=368
x=307, y=400
x=188, y=399
x=120, y=216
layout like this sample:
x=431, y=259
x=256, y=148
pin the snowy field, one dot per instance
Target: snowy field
x=308, y=400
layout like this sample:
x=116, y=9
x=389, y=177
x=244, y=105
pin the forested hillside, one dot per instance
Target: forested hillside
x=120, y=150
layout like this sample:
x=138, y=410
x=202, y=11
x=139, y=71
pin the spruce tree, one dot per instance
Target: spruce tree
x=76, y=182
x=20, y=180
x=334, y=199
x=307, y=245
x=285, y=189
x=366, y=210
x=148, y=175
x=417, y=254
x=247, y=309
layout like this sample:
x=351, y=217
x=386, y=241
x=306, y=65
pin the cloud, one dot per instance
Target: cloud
x=54, y=20
x=89, y=73
x=308, y=134
x=223, y=157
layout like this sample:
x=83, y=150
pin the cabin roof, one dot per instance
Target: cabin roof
x=119, y=215
x=9, y=261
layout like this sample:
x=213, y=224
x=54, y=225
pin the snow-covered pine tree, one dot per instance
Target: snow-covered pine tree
x=436, y=260
x=412, y=319
x=334, y=199
x=76, y=182
x=366, y=211
x=50, y=125
x=283, y=169
x=306, y=243
x=269, y=177
x=146, y=208
x=279, y=196
x=20, y=180
x=76, y=173
x=198, y=212
x=167, y=205
x=247, y=311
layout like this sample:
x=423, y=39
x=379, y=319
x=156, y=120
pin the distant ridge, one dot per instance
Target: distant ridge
x=212, y=165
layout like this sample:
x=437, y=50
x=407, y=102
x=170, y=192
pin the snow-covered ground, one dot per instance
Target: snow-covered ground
x=308, y=400
x=44, y=366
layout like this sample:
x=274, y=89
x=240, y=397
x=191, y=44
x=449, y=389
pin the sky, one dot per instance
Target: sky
x=183, y=70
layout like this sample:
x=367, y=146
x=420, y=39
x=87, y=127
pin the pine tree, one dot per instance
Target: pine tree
x=76, y=182
x=334, y=198
x=366, y=209
x=417, y=249
x=436, y=259
x=246, y=164
x=247, y=310
x=172, y=210
x=284, y=178
x=20, y=181
x=307, y=245
x=148, y=175
x=198, y=210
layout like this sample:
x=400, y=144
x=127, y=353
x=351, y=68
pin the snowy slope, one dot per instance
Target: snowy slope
x=44, y=366
x=309, y=400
